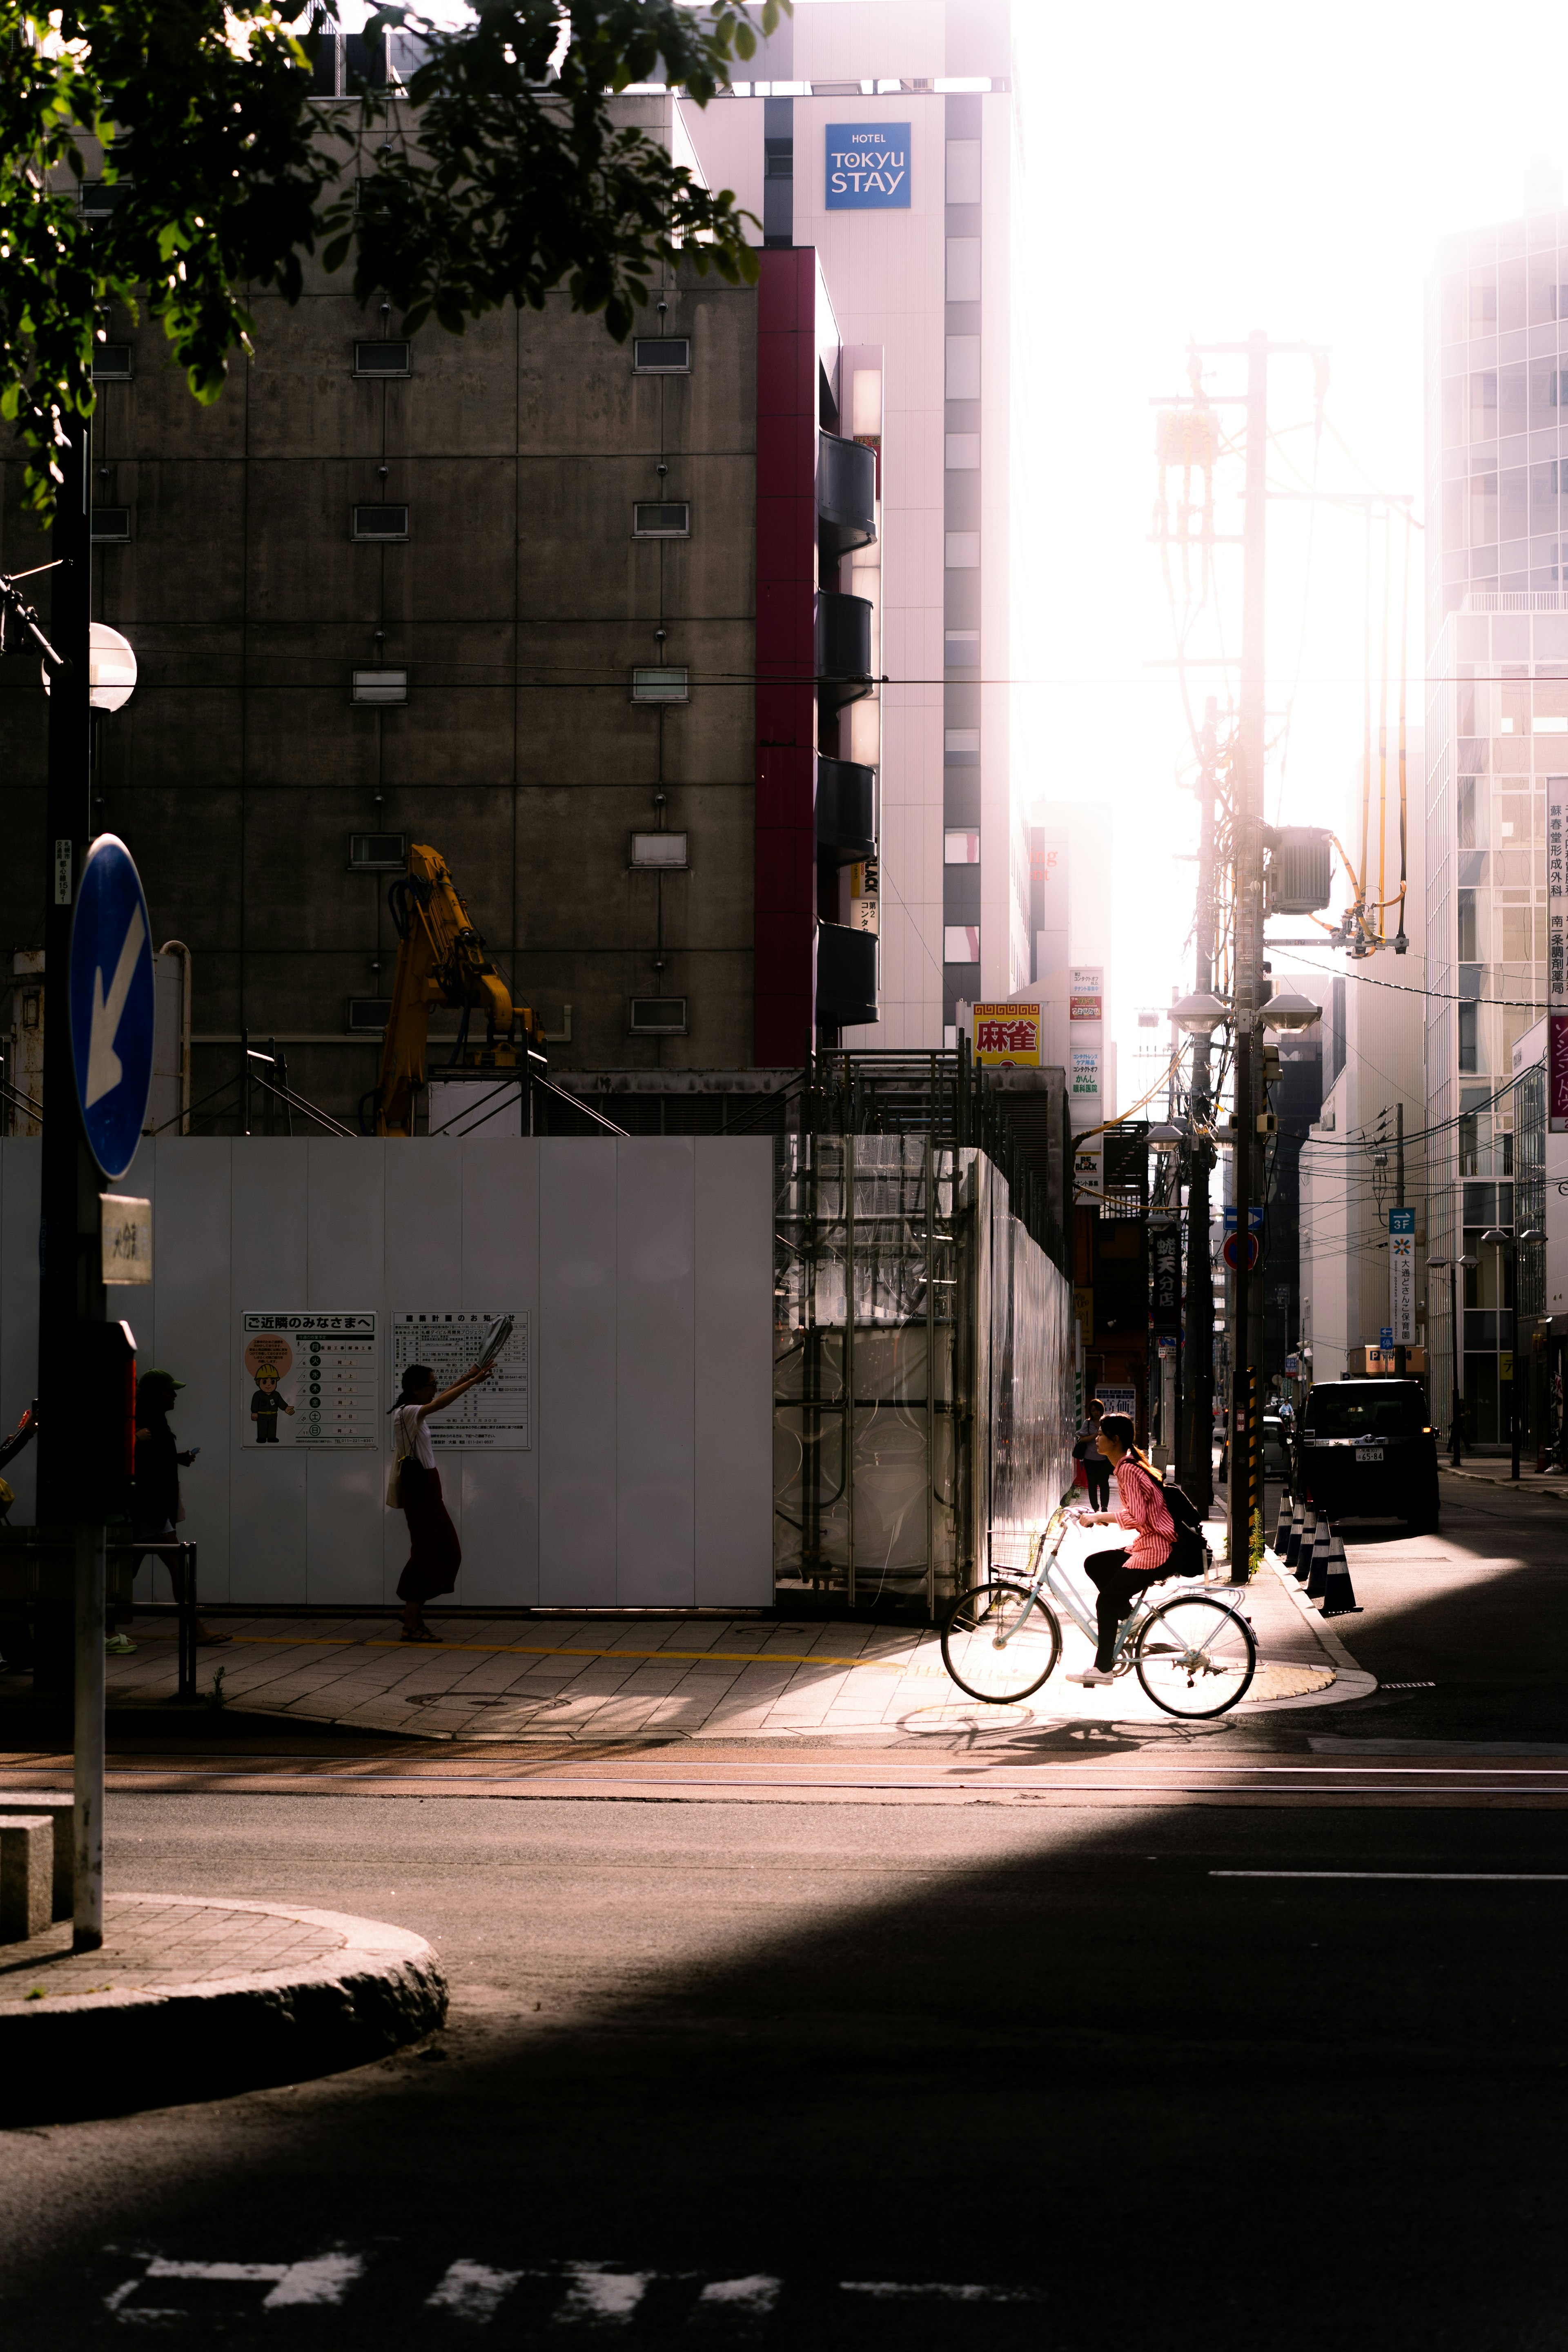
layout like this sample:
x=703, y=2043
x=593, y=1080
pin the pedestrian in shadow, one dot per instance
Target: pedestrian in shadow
x=156, y=1509
x=435, y=1555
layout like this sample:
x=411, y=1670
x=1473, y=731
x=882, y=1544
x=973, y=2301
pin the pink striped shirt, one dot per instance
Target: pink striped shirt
x=1143, y=1507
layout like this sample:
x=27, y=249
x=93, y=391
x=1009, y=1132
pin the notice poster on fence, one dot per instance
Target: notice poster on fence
x=493, y=1417
x=309, y=1378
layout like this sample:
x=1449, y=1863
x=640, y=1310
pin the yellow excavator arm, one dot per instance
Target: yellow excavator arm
x=442, y=959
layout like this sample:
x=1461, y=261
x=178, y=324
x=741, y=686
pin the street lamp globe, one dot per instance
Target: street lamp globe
x=1199, y=1014
x=110, y=668
x=1165, y=1137
x=1290, y=1010
x=1499, y=1235
x=1533, y=1233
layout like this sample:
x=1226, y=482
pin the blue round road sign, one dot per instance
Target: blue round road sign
x=1231, y=1250
x=111, y=1003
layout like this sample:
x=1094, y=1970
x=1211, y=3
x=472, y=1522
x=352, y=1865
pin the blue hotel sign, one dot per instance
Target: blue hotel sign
x=868, y=166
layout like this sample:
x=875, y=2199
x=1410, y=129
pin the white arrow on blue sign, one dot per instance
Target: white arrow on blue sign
x=111, y=1003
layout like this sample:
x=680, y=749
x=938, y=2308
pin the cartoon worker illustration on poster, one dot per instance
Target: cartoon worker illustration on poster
x=309, y=1378
x=269, y=1359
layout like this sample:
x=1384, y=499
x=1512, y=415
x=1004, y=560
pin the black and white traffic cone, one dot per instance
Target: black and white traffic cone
x=1303, y=1561
x=1292, y=1551
x=1338, y=1593
x=1282, y=1527
x=1317, y=1564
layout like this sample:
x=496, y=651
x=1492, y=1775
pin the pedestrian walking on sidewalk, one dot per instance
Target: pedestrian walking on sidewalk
x=435, y=1555
x=1118, y=1574
x=156, y=1509
x=1086, y=1449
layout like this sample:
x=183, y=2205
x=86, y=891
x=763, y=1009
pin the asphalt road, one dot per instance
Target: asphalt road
x=797, y=2074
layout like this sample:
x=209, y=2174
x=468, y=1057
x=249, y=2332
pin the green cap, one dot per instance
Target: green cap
x=165, y=1379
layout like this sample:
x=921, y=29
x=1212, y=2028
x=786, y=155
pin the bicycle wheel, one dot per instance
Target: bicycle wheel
x=1000, y=1642
x=1195, y=1655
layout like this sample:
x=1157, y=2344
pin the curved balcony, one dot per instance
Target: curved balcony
x=843, y=649
x=845, y=809
x=846, y=976
x=845, y=495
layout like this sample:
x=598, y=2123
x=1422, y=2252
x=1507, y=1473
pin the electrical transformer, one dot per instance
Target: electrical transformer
x=1297, y=872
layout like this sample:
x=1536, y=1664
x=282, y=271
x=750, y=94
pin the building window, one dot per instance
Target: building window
x=963, y=367
x=961, y=848
x=98, y=198
x=368, y=1016
x=379, y=523
x=111, y=363
x=963, y=171
x=963, y=269
x=963, y=452
x=670, y=520
x=659, y=686
x=377, y=853
x=1469, y=951
x=1470, y=1036
x=961, y=943
x=961, y=742
x=381, y=686
x=964, y=648
x=659, y=1016
x=111, y=524
x=661, y=355
x=662, y=850
x=382, y=359
x=962, y=552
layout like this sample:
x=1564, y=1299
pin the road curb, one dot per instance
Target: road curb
x=1505, y=1485
x=96, y=2054
x=1333, y=1646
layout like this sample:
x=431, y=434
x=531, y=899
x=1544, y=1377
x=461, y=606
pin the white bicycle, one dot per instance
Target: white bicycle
x=1192, y=1652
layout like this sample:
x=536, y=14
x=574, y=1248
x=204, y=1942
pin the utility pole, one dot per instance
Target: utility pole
x=71, y=1291
x=1246, y=1348
x=1195, y=1461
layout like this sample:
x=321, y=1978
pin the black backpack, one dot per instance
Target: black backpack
x=1189, y=1554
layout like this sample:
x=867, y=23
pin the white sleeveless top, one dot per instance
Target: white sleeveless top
x=413, y=1435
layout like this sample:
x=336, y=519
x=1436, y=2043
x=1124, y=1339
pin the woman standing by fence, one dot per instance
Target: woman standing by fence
x=435, y=1554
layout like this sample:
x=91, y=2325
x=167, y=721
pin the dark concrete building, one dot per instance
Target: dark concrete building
x=497, y=592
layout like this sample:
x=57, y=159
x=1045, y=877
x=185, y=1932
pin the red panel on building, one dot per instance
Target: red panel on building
x=786, y=693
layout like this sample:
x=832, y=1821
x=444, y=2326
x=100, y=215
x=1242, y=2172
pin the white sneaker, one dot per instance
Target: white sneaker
x=1093, y=1675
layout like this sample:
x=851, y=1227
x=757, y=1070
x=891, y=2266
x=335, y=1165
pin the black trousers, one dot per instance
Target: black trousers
x=1116, y=1584
x=1098, y=1471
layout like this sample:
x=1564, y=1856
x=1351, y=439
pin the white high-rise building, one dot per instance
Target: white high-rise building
x=882, y=134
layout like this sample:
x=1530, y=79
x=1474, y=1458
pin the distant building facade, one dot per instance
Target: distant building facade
x=1496, y=616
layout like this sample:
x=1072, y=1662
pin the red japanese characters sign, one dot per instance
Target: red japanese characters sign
x=1007, y=1036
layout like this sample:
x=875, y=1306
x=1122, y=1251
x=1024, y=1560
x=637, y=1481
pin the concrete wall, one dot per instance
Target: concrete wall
x=519, y=607
x=646, y=1267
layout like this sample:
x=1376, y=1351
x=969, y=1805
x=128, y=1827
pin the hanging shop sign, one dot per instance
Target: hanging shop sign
x=1008, y=1036
x=1164, y=1275
x=1086, y=995
x=1400, y=1278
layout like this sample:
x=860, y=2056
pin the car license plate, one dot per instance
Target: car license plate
x=1369, y=1453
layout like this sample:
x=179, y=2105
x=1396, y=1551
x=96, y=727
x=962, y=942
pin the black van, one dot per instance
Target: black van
x=1365, y=1449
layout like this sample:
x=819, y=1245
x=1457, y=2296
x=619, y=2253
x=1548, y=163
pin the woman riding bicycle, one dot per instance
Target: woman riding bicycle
x=1118, y=1574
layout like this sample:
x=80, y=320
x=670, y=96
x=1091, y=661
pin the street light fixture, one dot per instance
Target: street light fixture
x=1289, y=1011
x=1199, y=1014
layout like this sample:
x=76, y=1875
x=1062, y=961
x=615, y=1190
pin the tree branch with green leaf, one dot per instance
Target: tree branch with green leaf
x=500, y=175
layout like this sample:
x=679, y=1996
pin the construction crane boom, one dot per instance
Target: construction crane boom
x=442, y=959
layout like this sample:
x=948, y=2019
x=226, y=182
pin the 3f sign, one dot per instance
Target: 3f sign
x=868, y=167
